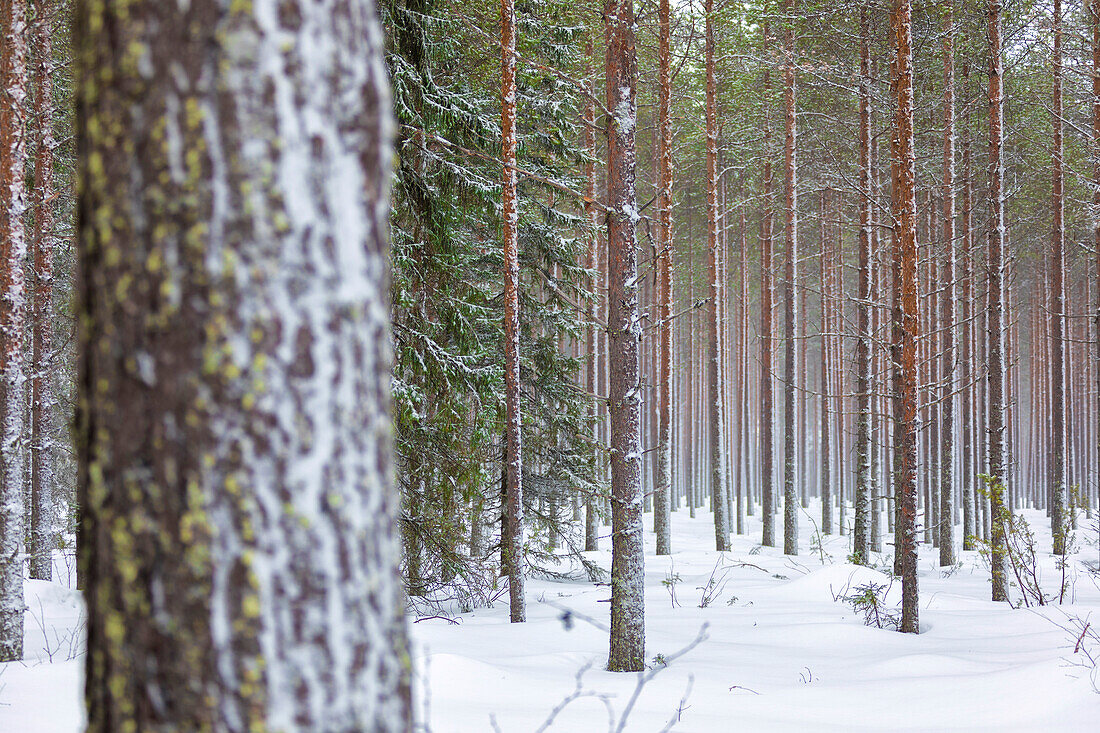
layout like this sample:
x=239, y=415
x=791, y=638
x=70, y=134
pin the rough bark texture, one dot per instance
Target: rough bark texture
x=994, y=330
x=13, y=250
x=906, y=318
x=627, y=653
x=966, y=370
x=947, y=305
x=826, y=447
x=40, y=537
x=1094, y=20
x=1057, y=302
x=591, y=506
x=861, y=531
x=767, y=297
x=662, y=494
x=714, y=372
x=790, y=187
x=512, y=542
x=239, y=541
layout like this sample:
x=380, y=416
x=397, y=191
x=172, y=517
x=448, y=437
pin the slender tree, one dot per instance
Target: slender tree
x=664, y=285
x=627, y=652
x=906, y=317
x=947, y=303
x=714, y=325
x=1057, y=324
x=767, y=335
x=513, y=454
x=790, y=187
x=13, y=250
x=861, y=532
x=591, y=505
x=43, y=243
x=994, y=331
x=238, y=538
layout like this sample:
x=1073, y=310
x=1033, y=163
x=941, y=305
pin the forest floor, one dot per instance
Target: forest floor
x=779, y=651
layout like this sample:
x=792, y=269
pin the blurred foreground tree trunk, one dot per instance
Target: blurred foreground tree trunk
x=238, y=538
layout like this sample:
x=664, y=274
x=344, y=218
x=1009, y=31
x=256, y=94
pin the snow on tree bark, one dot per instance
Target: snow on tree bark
x=995, y=378
x=13, y=250
x=862, y=500
x=906, y=318
x=40, y=536
x=239, y=541
x=662, y=504
x=627, y=642
x=714, y=372
x=767, y=297
x=790, y=187
x=1057, y=301
x=513, y=453
x=591, y=508
x=947, y=304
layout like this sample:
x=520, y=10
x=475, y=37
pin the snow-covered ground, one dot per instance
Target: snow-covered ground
x=779, y=653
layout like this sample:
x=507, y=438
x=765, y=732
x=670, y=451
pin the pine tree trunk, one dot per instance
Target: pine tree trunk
x=627, y=563
x=994, y=330
x=1057, y=302
x=790, y=188
x=744, y=492
x=43, y=242
x=966, y=371
x=238, y=538
x=947, y=305
x=591, y=505
x=13, y=250
x=512, y=542
x=767, y=335
x=906, y=326
x=861, y=540
x=664, y=252
x=714, y=375
x=1094, y=20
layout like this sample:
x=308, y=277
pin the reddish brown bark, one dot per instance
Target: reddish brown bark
x=627, y=652
x=13, y=248
x=907, y=319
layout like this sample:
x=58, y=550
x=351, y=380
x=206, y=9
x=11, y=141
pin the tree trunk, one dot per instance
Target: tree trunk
x=714, y=373
x=1057, y=303
x=664, y=286
x=995, y=332
x=826, y=448
x=947, y=304
x=627, y=563
x=591, y=504
x=513, y=453
x=861, y=534
x=43, y=242
x=239, y=538
x=767, y=296
x=967, y=373
x=906, y=326
x=790, y=188
x=1094, y=19
x=13, y=250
